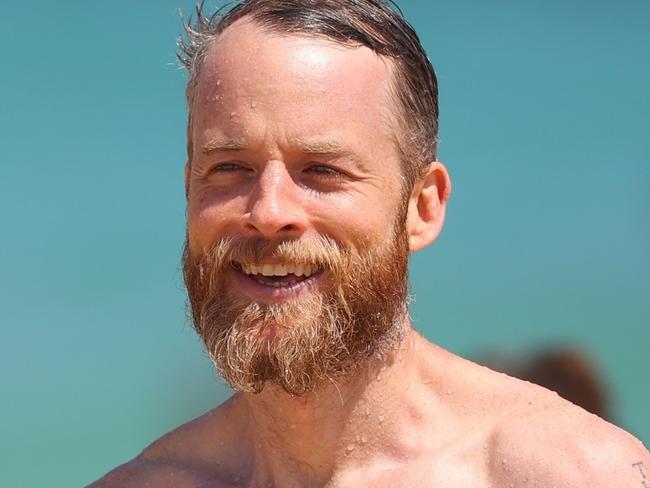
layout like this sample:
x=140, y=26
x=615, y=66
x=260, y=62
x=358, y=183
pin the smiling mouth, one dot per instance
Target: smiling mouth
x=278, y=275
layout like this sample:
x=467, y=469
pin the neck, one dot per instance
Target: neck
x=306, y=440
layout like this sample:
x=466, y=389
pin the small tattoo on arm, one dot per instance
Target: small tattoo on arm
x=645, y=481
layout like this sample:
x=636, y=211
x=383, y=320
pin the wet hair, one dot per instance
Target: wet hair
x=375, y=24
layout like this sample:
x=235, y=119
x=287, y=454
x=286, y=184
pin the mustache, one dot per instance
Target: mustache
x=321, y=251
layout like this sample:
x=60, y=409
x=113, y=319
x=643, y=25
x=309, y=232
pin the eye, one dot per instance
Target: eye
x=323, y=171
x=228, y=173
x=228, y=168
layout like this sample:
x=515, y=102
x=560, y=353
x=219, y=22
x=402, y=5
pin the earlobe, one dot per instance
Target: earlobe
x=426, y=213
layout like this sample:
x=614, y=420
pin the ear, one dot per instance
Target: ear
x=188, y=168
x=426, y=212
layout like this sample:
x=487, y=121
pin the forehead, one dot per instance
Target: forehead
x=256, y=80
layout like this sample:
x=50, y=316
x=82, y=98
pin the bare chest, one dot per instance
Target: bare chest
x=450, y=469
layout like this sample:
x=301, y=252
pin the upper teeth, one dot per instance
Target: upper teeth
x=279, y=269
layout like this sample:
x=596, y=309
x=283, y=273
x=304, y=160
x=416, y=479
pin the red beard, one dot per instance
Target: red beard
x=299, y=344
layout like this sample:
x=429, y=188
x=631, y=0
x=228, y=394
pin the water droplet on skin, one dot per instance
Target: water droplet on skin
x=363, y=439
x=232, y=114
x=450, y=392
x=378, y=377
x=218, y=82
x=380, y=418
x=367, y=413
x=349, y=448
x=253, y=105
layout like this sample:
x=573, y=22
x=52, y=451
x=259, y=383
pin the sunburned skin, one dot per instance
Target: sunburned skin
x=292, y=138
x=427, y=418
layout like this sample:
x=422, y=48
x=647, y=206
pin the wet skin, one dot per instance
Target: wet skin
x=293, y=137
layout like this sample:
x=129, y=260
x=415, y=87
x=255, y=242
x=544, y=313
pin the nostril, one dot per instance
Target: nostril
x=288, y=227
x=270, y=226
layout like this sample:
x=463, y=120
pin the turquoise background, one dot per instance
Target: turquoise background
x=544, y=127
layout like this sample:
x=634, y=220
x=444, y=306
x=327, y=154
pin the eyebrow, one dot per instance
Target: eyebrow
x=321, y=147
x=329, y=148
x=224, y=145
x=308, y=147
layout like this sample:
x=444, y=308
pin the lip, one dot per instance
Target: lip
x=258, y=292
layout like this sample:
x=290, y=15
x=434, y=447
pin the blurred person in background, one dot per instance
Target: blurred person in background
x=312, y=174
x=568, y=371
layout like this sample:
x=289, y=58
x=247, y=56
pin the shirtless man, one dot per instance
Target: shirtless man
x=312, y=174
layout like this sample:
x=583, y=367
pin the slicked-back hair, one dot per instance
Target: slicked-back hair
x=375, y=24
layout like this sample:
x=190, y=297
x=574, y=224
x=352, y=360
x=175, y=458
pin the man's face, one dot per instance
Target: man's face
x=294, y=172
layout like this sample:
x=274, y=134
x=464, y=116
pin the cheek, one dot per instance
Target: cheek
x=358, y=220
x=200, y=231
x=210, y=217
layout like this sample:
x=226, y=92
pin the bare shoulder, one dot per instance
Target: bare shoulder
x=140, y=472
x=551, y=442
x=184, y=457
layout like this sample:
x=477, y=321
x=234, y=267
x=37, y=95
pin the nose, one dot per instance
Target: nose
x=274, y=208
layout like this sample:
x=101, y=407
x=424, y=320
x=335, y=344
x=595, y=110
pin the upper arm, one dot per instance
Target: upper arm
x=567, y=447
x=142, y=472
x=623, y=461
x=131, y=474
x=159, y=473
